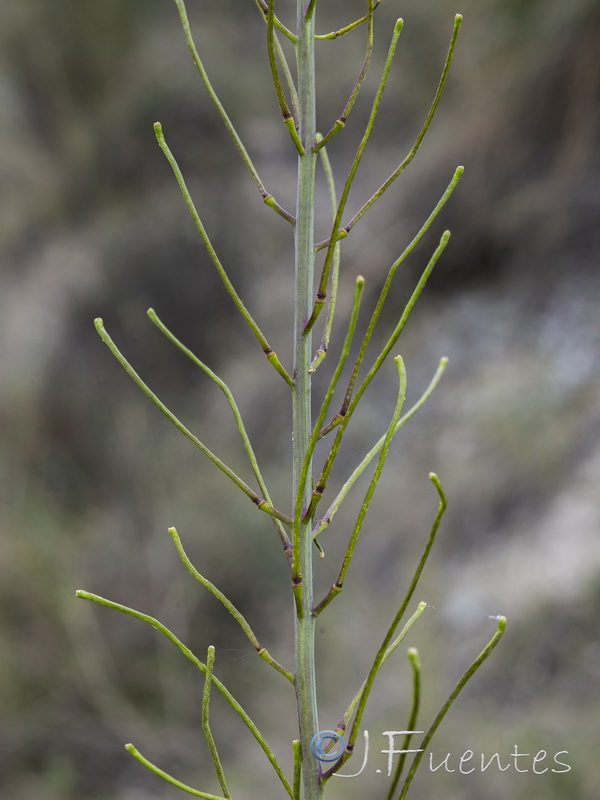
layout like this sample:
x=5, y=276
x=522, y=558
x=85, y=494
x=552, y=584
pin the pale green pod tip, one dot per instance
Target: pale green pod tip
x=423, y=605
x=360, y=281
x=157, y=128
x=398, y=26
x=413, y=657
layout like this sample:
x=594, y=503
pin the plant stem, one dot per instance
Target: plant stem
x=305, y=682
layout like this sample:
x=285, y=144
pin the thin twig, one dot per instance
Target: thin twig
x=262, y=6
x=297, y=768
x=333, y=508
x=262, y=504
x=288, y=119
x=267, y=196
x=310, y=9
x=337, y=587
x=345, y=721
x=210, y=740
x=326, y=471
x=340, y=123
x=359, y=286
x=347, y=28
x=322, y=290
x=323, y=347
x=264, y=9
x=267, y=349
x=237, y=615
x=383, y=296
x=413, y=657
x=169, y=778
x=485, y=653
x=419, y=140
x=202, y=667
x=287, y=545
x=387, y=646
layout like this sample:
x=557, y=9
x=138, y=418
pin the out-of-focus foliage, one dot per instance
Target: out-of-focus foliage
x=91, y=476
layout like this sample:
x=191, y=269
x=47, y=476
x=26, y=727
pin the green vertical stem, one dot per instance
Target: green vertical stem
x=305, y=682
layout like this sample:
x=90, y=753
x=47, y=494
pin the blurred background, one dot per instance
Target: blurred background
x=93, y=224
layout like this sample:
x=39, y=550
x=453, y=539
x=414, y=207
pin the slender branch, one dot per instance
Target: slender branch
x=267, y=349
x=421, y=608
x=344, y=722
x=415, y=663
x=485, y=653
x=322, y=290
x=403, y=319
x=383, y=296
x=202, y=667
x=339, y=583
x=169, y=778
x=262, y=5
x=388, y=646
x=297, y=768
x=419, y=140
x=359, y=286
x=288, y=119
x=267, y=196
x=322, y=351
x=348, y=28
x=287, y=73
x=237, y=615
x=262, y=504
x=331, y=511
x=326, y=471
x=264, y=9
x=310, y=9
x=340, y=123
x=287, y=545
x=210, y=740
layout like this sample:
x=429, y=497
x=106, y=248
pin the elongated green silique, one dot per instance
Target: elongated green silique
x=295, y=91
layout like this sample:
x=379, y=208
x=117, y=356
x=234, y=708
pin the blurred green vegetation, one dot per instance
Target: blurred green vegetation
x=91, y=476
